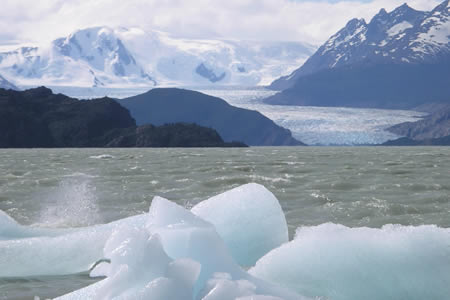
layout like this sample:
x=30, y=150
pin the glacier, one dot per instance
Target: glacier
x=322, y=126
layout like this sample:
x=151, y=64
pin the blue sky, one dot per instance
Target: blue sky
x=312, y=21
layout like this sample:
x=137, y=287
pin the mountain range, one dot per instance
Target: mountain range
x=399, y=59
x=125, y=57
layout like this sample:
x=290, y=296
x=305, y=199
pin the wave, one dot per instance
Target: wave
x=102, y=156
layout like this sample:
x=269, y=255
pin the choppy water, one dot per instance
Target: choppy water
x=364, y=186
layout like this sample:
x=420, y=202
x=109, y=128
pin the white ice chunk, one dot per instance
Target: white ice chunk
x=176, y=256
x=249, y=219
x=28, y=251
x=11, y=230
x=140, y=269
x=221, y=286
x=337, y=262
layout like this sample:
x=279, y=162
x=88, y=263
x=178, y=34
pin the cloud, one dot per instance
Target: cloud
x=297, y=20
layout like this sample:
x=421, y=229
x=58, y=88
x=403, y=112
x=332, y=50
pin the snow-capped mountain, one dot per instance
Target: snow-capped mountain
x=102, y=56
x=90, y=57
x=403, y=36
x=5, y=84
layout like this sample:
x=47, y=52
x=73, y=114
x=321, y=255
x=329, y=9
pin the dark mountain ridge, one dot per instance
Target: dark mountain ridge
x=37, y=118
x=399, y=59
x=404, y=141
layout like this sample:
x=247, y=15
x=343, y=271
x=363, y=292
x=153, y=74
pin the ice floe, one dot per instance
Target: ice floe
x=338, y=262
x=177, y=255
x=30, y=251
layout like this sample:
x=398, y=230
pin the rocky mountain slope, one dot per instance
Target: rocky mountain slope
x=121, y=57
x=37, y=118
x=168, y=105
x=404, y=141
x=436, y=125
x=399, y=59
x=5, y=84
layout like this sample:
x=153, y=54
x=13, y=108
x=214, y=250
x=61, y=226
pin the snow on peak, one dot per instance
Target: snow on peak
x=399, y=28
x=5, y=84
x=403, y=35
x=354, y=28
x=100, y=48
x=103, y=56
x=433, y=38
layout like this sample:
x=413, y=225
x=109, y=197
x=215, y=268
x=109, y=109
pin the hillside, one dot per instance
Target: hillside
x=37, y=118
x=436, y=125
x=161, y=106
x=442, y=141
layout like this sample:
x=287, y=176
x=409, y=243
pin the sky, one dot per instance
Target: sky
x=311, y=21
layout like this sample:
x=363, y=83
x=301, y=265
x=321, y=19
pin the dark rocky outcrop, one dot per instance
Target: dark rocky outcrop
x=38, y=118
x=436, y=125
x=404, y=141
x=169, y=105
x=169, y=135
x=209, y=74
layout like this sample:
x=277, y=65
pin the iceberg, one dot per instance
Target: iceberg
x=177, y=255
x=264, y=221
x=10, y=229
x=337, y=262
x=32, y=251
x=28, y=251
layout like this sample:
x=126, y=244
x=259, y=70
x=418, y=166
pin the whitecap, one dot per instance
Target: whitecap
x=102, y=156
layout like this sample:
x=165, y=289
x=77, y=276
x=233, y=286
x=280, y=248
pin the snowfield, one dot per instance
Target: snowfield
x=122, y=57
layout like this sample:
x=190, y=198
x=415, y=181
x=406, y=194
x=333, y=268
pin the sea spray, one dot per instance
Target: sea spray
x=72, y=204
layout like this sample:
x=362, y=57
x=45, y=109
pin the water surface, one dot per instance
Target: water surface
x=359, y=186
